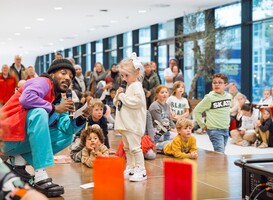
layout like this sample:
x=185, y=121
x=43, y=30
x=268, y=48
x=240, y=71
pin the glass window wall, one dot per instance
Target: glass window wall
x=262, y=67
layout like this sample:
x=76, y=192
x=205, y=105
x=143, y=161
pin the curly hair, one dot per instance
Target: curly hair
x=92, y=129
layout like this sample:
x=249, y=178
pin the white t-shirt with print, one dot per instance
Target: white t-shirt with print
x=177, y=105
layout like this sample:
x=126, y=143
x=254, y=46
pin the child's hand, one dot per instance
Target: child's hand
x=242, y=132
x=258, y=123
x=193, y=155
x=120, y=90
x=98, y=153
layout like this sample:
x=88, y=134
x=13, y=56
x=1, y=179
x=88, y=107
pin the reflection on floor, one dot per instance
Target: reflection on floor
x=203, y=142
x=217, y=177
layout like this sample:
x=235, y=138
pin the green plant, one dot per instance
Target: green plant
x=200, y=28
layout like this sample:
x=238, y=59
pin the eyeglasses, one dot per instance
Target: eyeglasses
x=218, y=83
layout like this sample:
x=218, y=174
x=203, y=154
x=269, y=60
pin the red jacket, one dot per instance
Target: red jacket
x=7, y=86
x=15, y=114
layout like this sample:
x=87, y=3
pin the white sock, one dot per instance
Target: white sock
x=40, y=174
x=18, y=160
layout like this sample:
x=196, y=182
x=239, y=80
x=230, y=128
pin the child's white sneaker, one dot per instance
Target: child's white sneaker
x=128, y=172
x=139, y=174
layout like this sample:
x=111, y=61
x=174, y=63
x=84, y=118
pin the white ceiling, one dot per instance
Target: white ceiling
x=79, y=22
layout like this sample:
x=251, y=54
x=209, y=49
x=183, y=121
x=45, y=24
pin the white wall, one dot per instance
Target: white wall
x=26, y=60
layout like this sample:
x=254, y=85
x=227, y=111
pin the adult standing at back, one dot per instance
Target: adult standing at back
x=18, y=69
x=154, y=68
x=168, y=75
x=79, y=84
x=8, y=84
x=149, y=83
x=98, y=75
x=234, y=104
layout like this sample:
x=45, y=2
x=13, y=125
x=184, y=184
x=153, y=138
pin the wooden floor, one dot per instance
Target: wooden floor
x=217, y=177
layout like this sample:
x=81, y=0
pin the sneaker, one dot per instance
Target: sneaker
x=128, y=172
x=257, y=143
x=245, y=143
x=139, y=175
x=263, y=145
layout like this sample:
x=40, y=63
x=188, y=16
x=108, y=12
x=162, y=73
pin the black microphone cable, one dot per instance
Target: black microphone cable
x=262, y=191
x=256, y=187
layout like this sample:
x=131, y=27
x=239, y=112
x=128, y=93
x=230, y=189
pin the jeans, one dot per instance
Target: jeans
x=166, y=137
x=160, y=145
x=218, y=138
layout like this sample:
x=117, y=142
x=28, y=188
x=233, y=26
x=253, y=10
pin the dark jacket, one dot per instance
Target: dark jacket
x=77, y=88
x=268, y=126
x=22, y=75
x=149, y=84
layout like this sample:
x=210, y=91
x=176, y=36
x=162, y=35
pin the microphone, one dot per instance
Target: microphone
x=122, y=85
x=69, y=97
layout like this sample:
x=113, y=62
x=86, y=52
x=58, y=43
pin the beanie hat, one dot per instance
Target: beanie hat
x=61, y=64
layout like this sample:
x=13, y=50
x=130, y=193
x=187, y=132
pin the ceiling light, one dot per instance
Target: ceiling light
x=58, y=8
x=40, y=19
x=61, y=40
x=91, y=29
x=51, y=43
x=9, y=39
x=27, y=27
x=113, y=21
x=161, y=5
x=142, y=11
x=17, y=34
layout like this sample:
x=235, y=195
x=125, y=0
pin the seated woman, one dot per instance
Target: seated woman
x=246, y=134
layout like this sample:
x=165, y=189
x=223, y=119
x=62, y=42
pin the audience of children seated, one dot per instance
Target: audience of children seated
x=97, y=117
x=246, y=134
